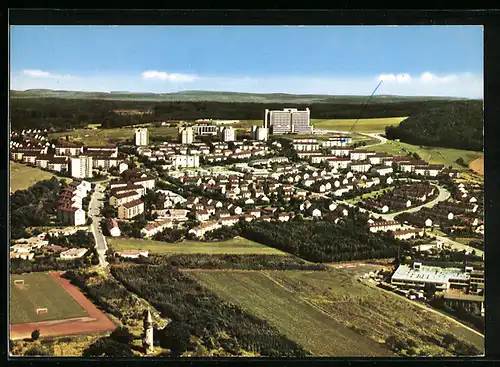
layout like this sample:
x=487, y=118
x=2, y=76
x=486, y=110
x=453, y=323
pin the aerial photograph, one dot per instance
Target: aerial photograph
x=246, y=191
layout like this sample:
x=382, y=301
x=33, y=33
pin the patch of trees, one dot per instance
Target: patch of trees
x=323, y=241
x=239, y=262
x=78, y=239
x=457, y=124
x=468, y=312
x=221, y=234
x=200, y=313
x=105, y=292
x=59, y=114
x=170, y=235
x=33, y=206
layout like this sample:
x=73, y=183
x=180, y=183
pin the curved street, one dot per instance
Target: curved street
x=95, y=206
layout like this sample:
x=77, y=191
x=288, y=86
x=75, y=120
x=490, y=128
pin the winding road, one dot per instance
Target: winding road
x=95, y=206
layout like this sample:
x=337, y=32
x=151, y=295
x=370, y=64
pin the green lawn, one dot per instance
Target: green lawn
x=369, y=195
x=433, y=155
x=105, y=136
x=22, y=176
x=372, y=125
x=330, y=312
x=41, y=291
x=237, y=245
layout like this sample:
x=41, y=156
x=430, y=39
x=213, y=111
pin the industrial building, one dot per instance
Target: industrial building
x=288, y=121
x=416, y=276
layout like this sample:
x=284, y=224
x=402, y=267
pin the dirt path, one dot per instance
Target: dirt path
x=477, y=165
x=96, y=321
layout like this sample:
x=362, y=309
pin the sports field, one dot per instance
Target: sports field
x=41, y=290
x=110, y=136
x=237, y=245
x=331, y=313
x=22, y=176
x=372, y=125
x=434, y=155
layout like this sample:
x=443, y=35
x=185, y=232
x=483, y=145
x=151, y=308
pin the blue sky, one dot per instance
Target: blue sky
x=412, y=60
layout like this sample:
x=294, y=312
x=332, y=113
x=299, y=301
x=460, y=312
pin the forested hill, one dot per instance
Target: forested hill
x=452, y=125
x=60, y=114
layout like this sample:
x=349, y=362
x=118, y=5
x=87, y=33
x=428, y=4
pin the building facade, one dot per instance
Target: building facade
x=186, y=135
x=81, y=167
x=141, y=137
x=228, y=134
x=288, y=121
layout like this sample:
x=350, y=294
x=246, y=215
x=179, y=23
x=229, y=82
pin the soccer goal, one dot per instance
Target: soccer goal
x=19, y=281
x=41, y=310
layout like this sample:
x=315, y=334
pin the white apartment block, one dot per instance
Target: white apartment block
x=69, y=151
x=288, y=121
x=183, y=160
x=141, y=136
x=72, y=216
x=228, y=134
x=186, y=134
x=203, y=129
x=81, y=167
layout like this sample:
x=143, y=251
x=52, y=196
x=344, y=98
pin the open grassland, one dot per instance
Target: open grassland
x=22, y=176
x=260, y=294
x=434, y=155
x=237, y=245
x=372, y=125
x=477, y=166
x=319, y=310
x=40, y=290
x=110, y=136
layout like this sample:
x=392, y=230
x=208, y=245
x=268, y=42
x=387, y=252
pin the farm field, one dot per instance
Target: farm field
x=237, y=245
x=434, y=155
x=41, y=290
x=477, y=166
x=330, y=313
x=110, y=136
x=22, y=176
x=371, y=125
x=260, y=294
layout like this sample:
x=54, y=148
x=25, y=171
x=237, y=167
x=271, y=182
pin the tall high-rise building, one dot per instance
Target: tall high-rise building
x=141, y=136
x=81, y=167
x=227, y=134
x=259, y=133
x=186, y=134
x=288, y=121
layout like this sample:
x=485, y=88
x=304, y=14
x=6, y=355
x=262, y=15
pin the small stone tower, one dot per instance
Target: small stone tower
x=148, y=333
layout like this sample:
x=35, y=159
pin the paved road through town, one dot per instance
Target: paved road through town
x=95, y=206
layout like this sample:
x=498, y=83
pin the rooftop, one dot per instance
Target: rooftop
x=429, y=273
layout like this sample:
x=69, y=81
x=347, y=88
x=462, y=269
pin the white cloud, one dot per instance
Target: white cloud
x=174, y=77
x=399, y=78
x=36, y=73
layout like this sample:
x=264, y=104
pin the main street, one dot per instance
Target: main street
x=94, y=212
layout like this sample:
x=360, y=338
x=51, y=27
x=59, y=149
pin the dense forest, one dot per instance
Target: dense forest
x=451, y=125
x=322, y=241
x=33, y=206
x=61, y=114
x=198, y=312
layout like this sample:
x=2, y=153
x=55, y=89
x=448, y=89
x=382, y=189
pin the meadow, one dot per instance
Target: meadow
x=370, y=125
x=111, y=136
x=41, y=290
x=237, y=245
x=331, y=313
x=22, y=176
x=434, y=155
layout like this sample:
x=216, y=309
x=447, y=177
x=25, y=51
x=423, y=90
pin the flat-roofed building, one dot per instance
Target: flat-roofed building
x=81, y=167
x=141, y=136
x=205, y=129
x=288, y=121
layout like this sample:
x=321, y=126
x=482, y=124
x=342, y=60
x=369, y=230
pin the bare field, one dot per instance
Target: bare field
x=372, y=125
x=477, y=166
x=307, y=306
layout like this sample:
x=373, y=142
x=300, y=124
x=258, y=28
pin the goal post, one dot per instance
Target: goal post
x=19, y=281
x=41, y=310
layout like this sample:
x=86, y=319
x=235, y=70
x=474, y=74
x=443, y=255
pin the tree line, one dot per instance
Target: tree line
x=195, y=311
x=457, y=124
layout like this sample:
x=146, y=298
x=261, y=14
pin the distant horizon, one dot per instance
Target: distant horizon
x=440, y=61
x=233, y=92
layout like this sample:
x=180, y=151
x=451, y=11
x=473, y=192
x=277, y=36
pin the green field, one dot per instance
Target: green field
x=372, y=125
x=110, y=136
x=369, y=195
x=331, y=313
x=432, y=155
x=41, y=291
x=236, y=245
x=22, y=176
